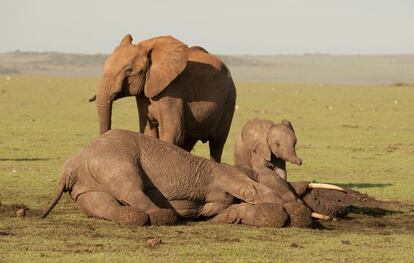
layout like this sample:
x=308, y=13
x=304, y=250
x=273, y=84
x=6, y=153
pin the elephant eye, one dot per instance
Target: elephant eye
x=128, y=71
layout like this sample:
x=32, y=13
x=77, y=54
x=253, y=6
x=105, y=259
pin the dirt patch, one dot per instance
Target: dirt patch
x=154, y=242
x=15, y=210
x=360, y=212
x=4, y=233
x=352, y=126
x=295, y=245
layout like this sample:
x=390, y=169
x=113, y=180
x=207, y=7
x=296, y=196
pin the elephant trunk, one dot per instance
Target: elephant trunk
x=104, y=107
x=292, y=158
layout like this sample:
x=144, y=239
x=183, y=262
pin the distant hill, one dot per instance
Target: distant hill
x=306, y=69
x=51, y=63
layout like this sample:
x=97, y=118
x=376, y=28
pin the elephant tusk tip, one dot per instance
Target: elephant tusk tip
x=325, y=186
x=321, y=216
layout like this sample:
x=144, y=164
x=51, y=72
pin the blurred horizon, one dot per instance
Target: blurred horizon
x=17, y=51
x=323, y=27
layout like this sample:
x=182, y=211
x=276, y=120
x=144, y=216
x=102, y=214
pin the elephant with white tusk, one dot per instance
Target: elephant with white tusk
x=131, y=178
x=323, y=199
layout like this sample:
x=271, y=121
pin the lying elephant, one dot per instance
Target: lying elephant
x=131, y=178
x=328, y=204
x=264, y=144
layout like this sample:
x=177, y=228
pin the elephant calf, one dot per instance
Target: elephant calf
x=132, y=178
x=264, y=144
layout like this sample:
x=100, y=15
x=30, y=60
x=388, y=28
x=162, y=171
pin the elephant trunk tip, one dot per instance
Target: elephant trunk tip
x=92, y=99
x=296, y=161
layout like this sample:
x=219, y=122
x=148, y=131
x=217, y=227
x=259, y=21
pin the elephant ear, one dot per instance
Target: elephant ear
x=254, y=135
x=288, y=124
x=168, y=59
x=126, y=40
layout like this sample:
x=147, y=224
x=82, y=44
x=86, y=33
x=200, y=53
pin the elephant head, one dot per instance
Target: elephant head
x=265, y=138
x=131, y=69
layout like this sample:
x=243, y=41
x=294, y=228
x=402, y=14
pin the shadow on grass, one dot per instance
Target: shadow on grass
x=23, y=159
x=364, y=185
x=372, y=211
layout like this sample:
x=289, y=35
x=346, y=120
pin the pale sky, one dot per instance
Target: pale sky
x=222, y=27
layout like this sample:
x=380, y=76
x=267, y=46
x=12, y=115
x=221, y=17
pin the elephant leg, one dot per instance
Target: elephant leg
x=104, y=205
x=268, y=177
x=131, y=193
x=241, y=186
x=216, y=146
x=171, y=127
x=157, y=215
x=189, y=144
x=299, y=213
x=233, y=181
x=151, y=129
x=216, y=143
x=145, y=125
x=267, y=215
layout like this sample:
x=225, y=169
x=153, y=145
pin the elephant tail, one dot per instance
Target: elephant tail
x=59, y=191
x=65, y=180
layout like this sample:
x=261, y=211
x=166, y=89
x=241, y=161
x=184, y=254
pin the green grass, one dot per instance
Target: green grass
x=362, y=137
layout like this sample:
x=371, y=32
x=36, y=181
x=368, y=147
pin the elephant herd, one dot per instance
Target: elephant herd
x=184, y=94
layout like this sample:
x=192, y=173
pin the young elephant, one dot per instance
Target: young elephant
x=264, y=144
x=132, y=178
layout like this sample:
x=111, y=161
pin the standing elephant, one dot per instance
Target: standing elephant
x=183, y=94
x=132, y=178
x=264, y=144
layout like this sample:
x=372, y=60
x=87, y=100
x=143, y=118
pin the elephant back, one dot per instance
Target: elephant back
x=176, y=173
x=200, y=55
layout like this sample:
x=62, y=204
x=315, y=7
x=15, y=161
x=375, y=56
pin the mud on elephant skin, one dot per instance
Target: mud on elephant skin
x=132, y=178
x=265, y=144
x=183, y=94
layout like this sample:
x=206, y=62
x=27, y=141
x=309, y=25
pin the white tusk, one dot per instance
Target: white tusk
x=320, y=216
x=325, y=186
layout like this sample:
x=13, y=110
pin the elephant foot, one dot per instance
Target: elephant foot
x=131, y=216
x=162, y=216
x=300, y=215
x=264, y=215
x=229, y=215
x=270, y=215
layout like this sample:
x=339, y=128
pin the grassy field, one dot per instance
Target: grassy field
x=362, y=137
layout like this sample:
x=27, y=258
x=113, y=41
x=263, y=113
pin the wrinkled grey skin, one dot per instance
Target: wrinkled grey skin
x=183, y=94
x=265, y=144
x=323, y=201
x=132, y=178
